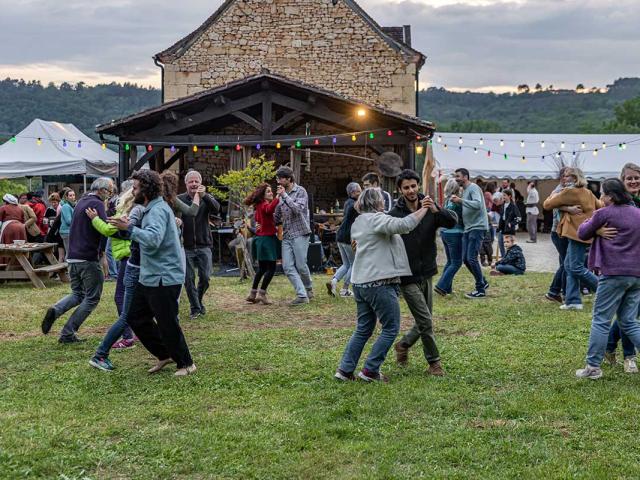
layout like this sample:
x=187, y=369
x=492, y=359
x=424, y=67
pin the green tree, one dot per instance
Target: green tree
x=11, y=186
x=628, y=113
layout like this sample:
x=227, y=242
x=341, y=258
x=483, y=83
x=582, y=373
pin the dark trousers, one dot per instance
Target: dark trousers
x=266, y=271
x=560, y=278
x=198, y=260
x=162, y=337
x=419, y=298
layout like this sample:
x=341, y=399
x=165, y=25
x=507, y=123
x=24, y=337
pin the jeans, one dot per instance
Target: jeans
x=503, y=251
x=373, y=304
x=348, y=255
x=294, y=264
x=453, y=248
x=419, y=298
x=120, y=327
x=87, y=280
x=471, y=242
x=532, y=226
x=509, y=270
x=558, y=285
x=198, y=260
x=118, y=296
x=577, y=273
x=163, y=337
x=615, y=295
x=616, y=334
x=111, y=262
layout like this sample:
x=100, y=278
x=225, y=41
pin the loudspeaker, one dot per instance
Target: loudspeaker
x=314, y=257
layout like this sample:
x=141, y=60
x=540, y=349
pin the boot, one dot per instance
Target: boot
x=262, y=298
x=252, y=296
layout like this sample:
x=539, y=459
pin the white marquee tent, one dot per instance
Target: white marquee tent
x=52, y=148
x=473, y=154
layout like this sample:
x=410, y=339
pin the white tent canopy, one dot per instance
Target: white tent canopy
x=52, y=148
x=473, y=154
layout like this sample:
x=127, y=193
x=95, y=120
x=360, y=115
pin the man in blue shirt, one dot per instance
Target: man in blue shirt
x=161, y=277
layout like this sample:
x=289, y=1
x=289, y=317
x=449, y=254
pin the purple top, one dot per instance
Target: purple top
x=618, y=256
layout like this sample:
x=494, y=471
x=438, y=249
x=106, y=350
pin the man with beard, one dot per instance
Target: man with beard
x=161, y=276
x=198, y=241
x=85, y=271
x=417, y=290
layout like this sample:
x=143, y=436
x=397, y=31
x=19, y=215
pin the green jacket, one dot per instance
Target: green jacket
x=119, y=248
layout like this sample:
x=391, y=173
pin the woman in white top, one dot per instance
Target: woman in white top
x=380, y=261
x=533, y=198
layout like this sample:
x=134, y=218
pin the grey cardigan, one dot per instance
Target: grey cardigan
x=380, y=252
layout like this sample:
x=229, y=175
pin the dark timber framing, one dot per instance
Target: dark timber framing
x=264, y=109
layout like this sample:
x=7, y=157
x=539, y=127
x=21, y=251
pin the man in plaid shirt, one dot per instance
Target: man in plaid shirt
x=293, y=213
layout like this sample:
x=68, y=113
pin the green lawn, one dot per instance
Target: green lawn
x=263, y=403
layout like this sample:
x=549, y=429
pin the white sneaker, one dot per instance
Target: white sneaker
x=571, y=306
x=630, y=365
x=346, y=293
x=590, y=372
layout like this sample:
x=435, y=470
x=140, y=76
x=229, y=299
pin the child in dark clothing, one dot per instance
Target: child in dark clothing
x=486, y=248
x=513, y=263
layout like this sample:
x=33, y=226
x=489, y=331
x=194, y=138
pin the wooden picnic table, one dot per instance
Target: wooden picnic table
x=19, y=266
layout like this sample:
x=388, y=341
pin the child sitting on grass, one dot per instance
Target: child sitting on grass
x=513, y=263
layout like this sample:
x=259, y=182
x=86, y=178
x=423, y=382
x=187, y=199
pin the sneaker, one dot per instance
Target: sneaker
x=103, y=364
x=160, y=365
x=475, y=294
x=532, y=241
x=402, y=354
x=344, y=376
x=203, y=311
x=436, y=369
x=610, y=358
x=486, y=285
x=48, y=320
x=72, y=339
x=123, y=344
x=586, y=292
x=183, y=372
x=368, y=376
x=589, y=372
x=571, y=306
x=195, y=315
x=331, y=289
x=346, y=293
x=630, y=365
x=553, y=298
x=495, y=273
x=439, y=291
x=299, y=301
x=310, y=294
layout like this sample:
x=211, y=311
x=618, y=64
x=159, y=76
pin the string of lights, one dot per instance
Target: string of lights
x=462, y=140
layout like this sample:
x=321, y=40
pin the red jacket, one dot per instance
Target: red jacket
x=264, y=216
x=40, y=209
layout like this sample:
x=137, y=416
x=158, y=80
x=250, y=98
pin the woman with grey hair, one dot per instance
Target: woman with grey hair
x=379, y=263
x=344, y=243
x=452, y=241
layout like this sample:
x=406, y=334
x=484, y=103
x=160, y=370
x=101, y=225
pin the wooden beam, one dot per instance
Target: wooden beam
x=267, y=116
x=175, y=157
x=248, y=119
x=147, y=157
x=230, y=141
x=286, y=118
x=123, y=164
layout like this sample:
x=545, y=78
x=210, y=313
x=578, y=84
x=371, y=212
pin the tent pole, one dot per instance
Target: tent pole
x=29, y=183
x=84, y=181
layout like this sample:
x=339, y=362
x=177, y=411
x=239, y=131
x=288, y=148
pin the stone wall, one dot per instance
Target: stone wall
x=312, y=41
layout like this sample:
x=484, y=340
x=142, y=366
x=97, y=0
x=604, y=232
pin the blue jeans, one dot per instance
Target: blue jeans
x=577, y=273
x=120, y=327
x=509, y=270
x=111, y=262
x=558, y=284
x=294, y=264
x=452, y=242
x=198, y=260
x=503, y=251
x=86, y=289
x=615, y=334
x=373, y=304
x=615, y=295
x=471, y=242
x=348, y=255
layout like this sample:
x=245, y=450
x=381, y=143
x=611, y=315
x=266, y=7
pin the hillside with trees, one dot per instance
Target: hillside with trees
x=536, y=109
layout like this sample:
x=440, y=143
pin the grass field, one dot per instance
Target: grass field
x=263, y=403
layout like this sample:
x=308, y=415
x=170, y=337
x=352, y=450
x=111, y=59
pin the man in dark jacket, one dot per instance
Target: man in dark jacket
x=197, y=243
x=84, y=265
x=420, y=245
x=509, y=219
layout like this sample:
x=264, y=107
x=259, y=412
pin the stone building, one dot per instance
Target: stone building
x=313, y=83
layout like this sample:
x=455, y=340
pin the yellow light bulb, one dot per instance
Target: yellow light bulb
x=419, y=149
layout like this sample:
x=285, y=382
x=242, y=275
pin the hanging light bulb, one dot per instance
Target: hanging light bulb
x=195, y=148
x=39, y=141
x=542, y=144
x=13, y=139
x=79, y=143
x=419, y=149
x=562, y=145
x=298, y=144
x=481, y=142
x=104, y=146
x=439, y=138
x=446, y=147
x=460, y=141
x=173, y=149
x=278, y=145
x=258, y=146
x=238, y=147
x=489, y=153
x=583, y=146
x=372, y=136
x=334, y=140
x=353, y=138
x=604, y=145
x=127, y=147
x=524, y=160
x=502, y=143
x=389, y=133
x=216, y=148
x=64, y=142
x=595, y=152
x=506, y=157
x=619, y=146
x=149, y=148
x=558, y=155
x=475, y=150
x=624, y=146
x=522, y=143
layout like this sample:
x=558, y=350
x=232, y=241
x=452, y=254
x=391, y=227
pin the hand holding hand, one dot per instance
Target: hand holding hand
x=91, y=213
x=427, y=202
x=201, y=190
x=121, y=223
x=178, y=222
x=607, y=232
x=575, y=210
x=280, y=191
x=456, y=199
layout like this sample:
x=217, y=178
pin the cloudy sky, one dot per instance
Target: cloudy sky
x=470, y=44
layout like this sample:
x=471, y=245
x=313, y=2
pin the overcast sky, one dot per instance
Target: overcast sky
x=470, y=44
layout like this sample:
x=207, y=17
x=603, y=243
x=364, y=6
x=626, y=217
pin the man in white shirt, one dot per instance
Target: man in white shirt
x=532, y=212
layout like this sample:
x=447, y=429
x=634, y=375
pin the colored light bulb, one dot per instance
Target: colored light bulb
x=173, y=149
x=371, y=136
x=149, y=148
x=238, y=147
x=64, y=143
x=258, y=146
x=216, y=148
x=195, y=148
